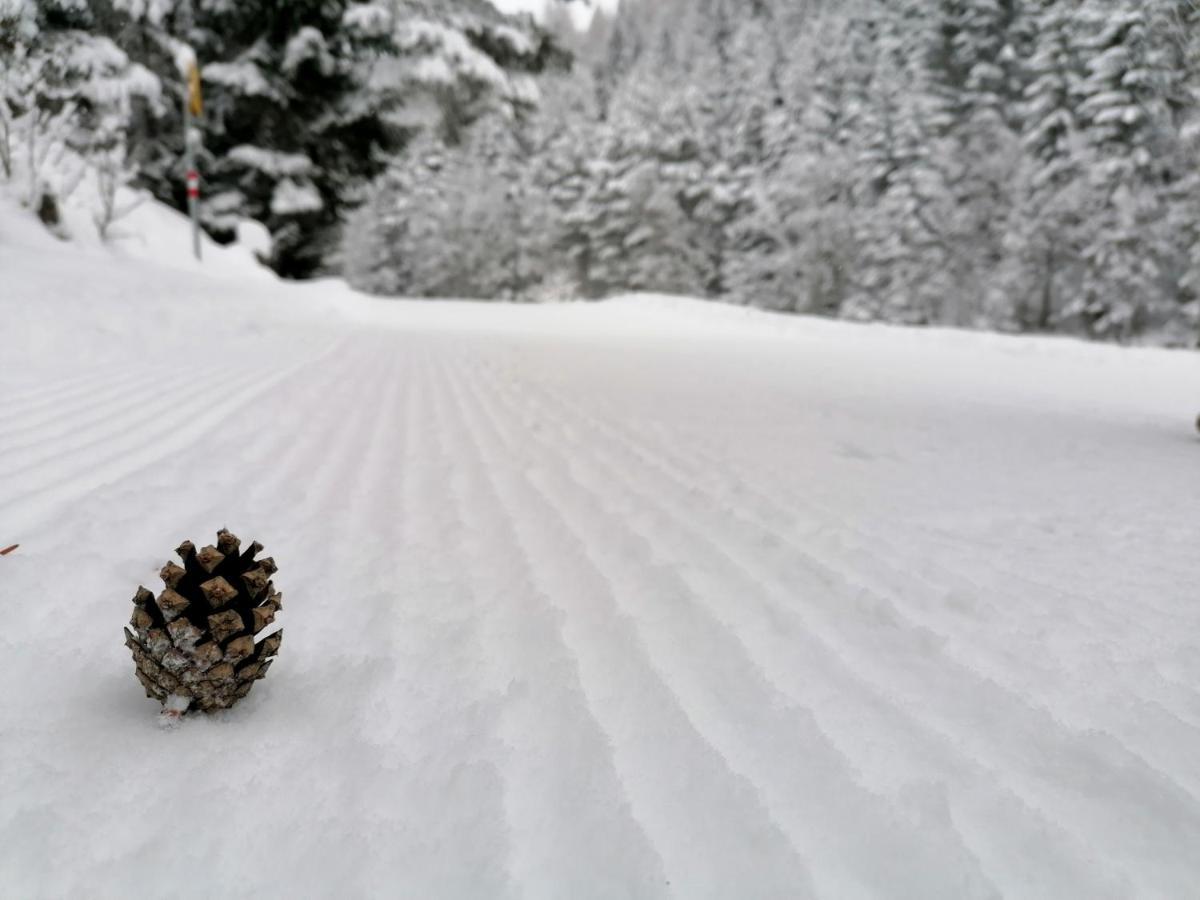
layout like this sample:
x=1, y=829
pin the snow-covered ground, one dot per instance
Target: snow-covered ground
x=638, y=599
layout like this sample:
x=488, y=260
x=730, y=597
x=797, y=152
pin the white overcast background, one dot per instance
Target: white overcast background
x=537, y=7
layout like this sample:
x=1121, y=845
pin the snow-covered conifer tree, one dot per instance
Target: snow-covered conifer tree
x=1126, y=131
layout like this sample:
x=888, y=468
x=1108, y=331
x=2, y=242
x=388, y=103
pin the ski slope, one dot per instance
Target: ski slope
x=638, y=599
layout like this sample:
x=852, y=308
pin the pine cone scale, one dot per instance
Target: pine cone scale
x=172, y=604
x=217, y=591
x=209, y=558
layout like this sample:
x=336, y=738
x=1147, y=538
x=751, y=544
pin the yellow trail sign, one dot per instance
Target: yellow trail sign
x=195, y=97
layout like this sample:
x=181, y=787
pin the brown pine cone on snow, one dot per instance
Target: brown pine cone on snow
x=194, y=645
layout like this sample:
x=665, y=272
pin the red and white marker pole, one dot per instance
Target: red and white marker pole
x=193, y=198
x=191, y=108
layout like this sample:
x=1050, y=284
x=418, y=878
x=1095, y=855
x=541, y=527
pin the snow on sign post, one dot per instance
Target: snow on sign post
x=193, y=106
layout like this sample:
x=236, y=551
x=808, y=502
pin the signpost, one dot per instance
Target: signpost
x=193, y=106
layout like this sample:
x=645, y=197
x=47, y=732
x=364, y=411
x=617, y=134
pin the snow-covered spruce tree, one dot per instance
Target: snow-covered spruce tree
x=634, y=215
x=505, y=153
x=976, y=76
x=682, y=130
x=616, y=47
x=1126, y=127
x=498, y=221
x=565, y=179
x=391, y=245
x=796, y=246
x=460, y=221
x=612, y=178
x=631, y=225
x=1044, y=231
x=710, y=187
x=1178, y=22
x=907, y=270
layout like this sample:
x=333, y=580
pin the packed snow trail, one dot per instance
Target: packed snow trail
x=638, y=599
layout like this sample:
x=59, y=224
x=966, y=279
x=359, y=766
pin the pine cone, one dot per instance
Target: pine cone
x=195, y=643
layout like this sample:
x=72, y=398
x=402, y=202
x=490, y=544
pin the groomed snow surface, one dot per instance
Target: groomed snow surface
x=639, y=599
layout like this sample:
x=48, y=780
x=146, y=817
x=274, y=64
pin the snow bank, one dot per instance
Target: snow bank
x=68, y=305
